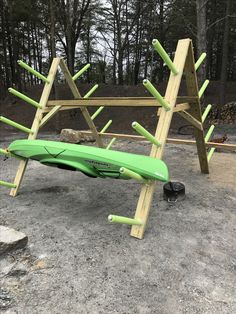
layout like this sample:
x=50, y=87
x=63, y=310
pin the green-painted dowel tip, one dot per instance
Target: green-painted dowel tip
x=133, y=175
x=106, y=126
x=111, y=143
x=124, y=220
x=24, y=97
x=203, y=88
x=31, y=70
x=141, y=130
x=156, y=94
x=8, y=184
x=91, y=91
x=78, y=74
x=210, y=153
x=205, y=113
x=158, y=47
x=200, y=60
x=96, y=113
x=16, y=125
x=208, y=135
x=3, y=151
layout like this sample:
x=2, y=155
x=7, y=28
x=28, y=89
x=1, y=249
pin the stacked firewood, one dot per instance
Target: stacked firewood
x=227, y=114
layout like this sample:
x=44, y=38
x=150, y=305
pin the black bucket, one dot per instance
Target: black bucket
x=173, y=192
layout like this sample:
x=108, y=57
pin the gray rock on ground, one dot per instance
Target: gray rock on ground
x=10, y=239
x=75, y=137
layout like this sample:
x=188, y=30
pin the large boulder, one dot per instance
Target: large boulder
x=10, y=239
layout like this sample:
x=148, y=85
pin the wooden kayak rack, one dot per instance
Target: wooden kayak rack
x=188, y=106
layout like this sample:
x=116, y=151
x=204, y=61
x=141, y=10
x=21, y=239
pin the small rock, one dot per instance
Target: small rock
x=75, y=137
x=70, y=136
x=11, y=239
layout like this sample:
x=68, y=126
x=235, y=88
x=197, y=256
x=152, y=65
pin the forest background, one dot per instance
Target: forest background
x=115, y=37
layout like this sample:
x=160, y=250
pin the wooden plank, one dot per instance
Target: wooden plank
x=113, y=102
x=195, y=109
x=187, y=116
x=36, y=123
x=91, y=102
x=230, y=147
x=118, y=135
x=76, y=94
x=145, y=199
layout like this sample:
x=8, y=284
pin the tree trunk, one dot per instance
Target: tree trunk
x=4, y=41
x=53, y=55
x=224, y=63
x=88, y=50
x=120, y=68
x=162, y=39
x=70, y=52
x=115, y=54
x=201, y=37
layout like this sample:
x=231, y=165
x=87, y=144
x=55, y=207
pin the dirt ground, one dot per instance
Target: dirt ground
x=76, y=262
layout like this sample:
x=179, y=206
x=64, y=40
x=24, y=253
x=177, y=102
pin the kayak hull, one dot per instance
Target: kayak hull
x=92, y=161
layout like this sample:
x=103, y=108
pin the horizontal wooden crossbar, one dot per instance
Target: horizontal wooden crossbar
x=113, y=102
x=231, y=147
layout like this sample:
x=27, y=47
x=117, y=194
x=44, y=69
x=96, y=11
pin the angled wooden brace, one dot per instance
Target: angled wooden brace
x=77, y=95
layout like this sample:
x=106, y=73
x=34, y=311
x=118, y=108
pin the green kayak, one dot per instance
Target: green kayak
x=92, y=161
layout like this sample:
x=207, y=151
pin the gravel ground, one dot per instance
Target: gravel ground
x=76, y=262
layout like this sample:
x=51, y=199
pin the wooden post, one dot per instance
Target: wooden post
x=145, y=199
x=195, y=109
x=36, y=123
